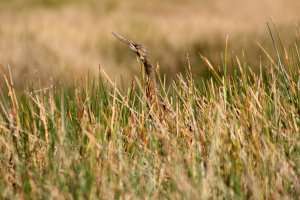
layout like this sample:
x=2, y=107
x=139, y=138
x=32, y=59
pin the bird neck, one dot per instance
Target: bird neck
x=151, y=87
x=149, y=70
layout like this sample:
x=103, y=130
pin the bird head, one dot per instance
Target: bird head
x=139, y=49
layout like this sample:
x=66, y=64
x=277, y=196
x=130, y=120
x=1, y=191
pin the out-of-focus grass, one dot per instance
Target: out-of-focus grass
x=57, y=38
x=97, y=141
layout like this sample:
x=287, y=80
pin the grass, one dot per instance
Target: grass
x=95, y=140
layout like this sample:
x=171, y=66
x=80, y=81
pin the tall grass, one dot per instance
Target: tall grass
x=233, y=137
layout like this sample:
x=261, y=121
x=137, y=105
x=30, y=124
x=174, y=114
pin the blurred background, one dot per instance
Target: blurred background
x=54, y=39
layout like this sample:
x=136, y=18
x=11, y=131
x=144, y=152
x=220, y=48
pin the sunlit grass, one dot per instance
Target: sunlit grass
x=234, y=136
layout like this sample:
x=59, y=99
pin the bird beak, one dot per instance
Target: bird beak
x=125, y=41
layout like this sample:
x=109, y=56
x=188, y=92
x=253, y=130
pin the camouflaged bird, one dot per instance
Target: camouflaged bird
x=154, y=99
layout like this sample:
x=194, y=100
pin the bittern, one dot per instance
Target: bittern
x=154, y=98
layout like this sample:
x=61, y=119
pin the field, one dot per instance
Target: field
x=54, y=39
x=89, y=135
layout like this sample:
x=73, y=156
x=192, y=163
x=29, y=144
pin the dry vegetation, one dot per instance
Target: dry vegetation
x=235, y=134
x=233, y=137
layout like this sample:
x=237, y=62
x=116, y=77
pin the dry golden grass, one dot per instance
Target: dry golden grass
x=92, y=141
x=72, y=37
x=233, y=137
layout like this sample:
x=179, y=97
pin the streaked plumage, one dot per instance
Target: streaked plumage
x=153, y=97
